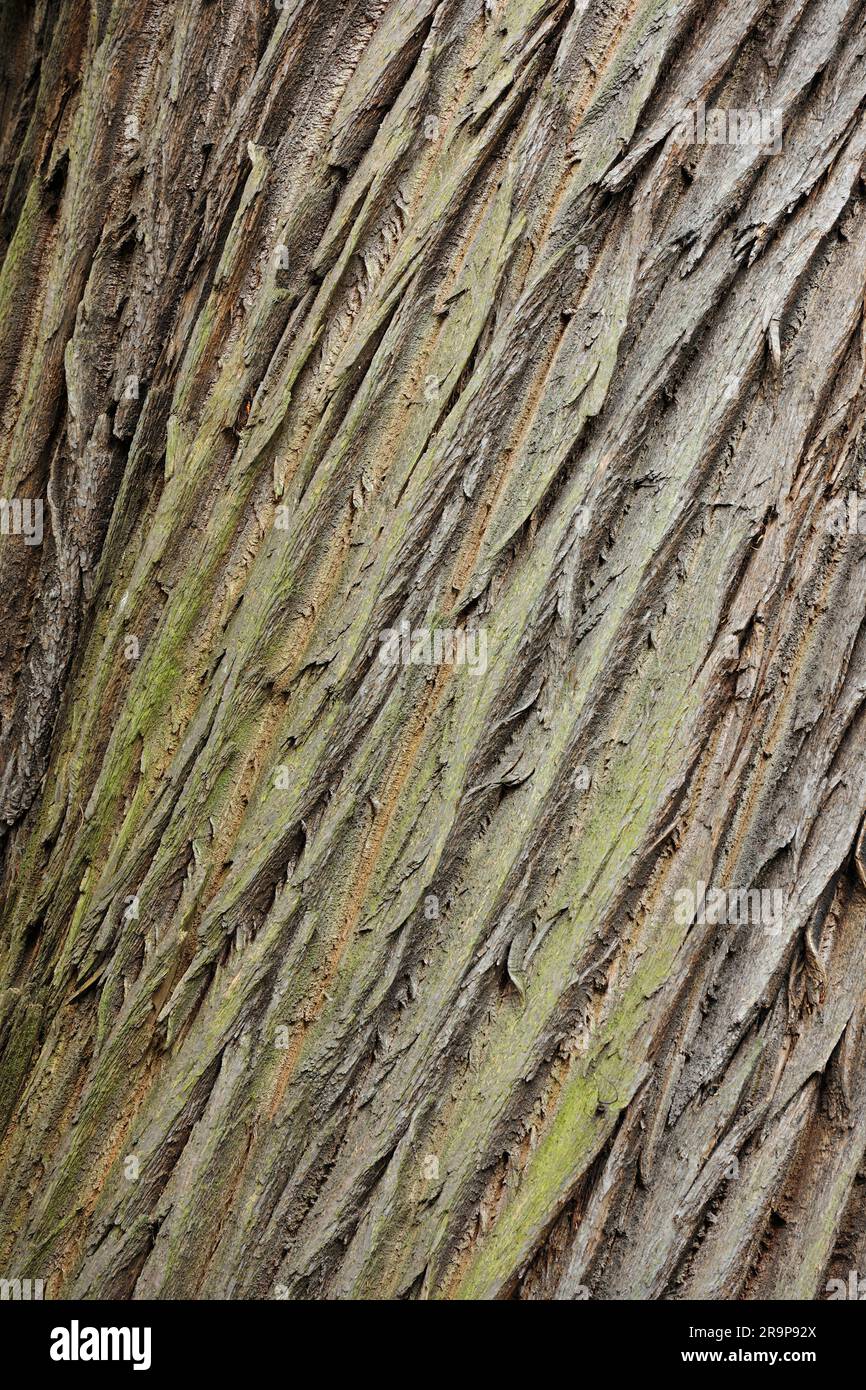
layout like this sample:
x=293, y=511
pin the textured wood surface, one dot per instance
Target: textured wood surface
x=323, y=977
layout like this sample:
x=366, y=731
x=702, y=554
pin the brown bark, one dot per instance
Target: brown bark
x=324, y=976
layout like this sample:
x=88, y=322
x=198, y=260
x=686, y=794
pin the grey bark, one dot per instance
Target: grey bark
x=327, y=977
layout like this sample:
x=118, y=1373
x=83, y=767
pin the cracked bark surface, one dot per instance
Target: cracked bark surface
x=437, y=319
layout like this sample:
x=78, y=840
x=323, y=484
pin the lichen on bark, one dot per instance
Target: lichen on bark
x=324, y=976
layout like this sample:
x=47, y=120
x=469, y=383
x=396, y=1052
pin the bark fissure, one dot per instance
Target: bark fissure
x=324, y=975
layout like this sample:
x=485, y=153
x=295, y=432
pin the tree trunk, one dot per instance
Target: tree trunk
x=447, y=421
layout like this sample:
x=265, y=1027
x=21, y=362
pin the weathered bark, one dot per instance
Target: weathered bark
x=327, y=977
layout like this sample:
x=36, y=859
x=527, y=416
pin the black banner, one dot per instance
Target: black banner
x=62, y=1339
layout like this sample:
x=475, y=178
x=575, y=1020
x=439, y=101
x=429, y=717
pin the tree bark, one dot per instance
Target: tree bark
x=329, y=975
